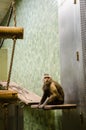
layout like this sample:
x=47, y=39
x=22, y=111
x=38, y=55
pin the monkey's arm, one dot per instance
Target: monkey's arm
x=48, y=100
x=44, y=103
x=44, y=97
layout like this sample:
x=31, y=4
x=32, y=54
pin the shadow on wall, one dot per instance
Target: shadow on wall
x=41, y=119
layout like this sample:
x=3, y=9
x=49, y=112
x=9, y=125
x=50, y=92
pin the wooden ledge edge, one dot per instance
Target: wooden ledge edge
x=51, y=107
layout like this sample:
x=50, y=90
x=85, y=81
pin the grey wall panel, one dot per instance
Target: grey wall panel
x=68, y=50
x=83, y=36
x=72, y=32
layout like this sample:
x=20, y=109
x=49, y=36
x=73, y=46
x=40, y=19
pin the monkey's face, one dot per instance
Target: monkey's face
x=47, y=80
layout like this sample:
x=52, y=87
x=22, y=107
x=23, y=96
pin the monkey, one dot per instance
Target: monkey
x=53, y=93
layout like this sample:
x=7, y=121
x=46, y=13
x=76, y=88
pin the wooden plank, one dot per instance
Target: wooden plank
x=63, y=106
x=24, y=95
x=8, y=94
x=51, y=107
x=4, y=93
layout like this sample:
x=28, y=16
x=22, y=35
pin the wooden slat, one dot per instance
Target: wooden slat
x=50, y=107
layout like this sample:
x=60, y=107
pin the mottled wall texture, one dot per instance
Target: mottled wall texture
x=36, y=54
x=42, y=119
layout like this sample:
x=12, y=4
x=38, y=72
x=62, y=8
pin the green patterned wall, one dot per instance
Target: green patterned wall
x=42, y=119
x=36, y=54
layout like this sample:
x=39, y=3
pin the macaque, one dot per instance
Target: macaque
x=53, y=93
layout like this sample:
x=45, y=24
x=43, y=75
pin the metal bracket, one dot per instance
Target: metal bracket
x=77, y=56
x=75, y=1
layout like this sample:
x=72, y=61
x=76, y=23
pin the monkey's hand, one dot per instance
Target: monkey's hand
x=41, y=106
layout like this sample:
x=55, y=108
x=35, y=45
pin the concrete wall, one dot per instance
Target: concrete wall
x=36, y=54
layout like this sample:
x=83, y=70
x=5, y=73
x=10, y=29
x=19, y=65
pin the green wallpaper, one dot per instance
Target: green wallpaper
x=36, y=54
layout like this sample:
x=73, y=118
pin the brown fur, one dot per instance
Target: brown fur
x=52, y=93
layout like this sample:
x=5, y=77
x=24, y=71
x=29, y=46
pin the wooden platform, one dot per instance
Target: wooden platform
x=51, y=107
x=29, y=98
x=24, y=95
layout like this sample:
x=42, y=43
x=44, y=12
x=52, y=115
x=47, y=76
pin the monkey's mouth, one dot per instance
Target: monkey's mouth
x=47, y=83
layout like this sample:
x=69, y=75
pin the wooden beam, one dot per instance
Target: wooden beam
x=8, y=95
x=51, y=107
x=11, y=32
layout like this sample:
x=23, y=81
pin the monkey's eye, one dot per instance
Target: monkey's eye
x=46, y=77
